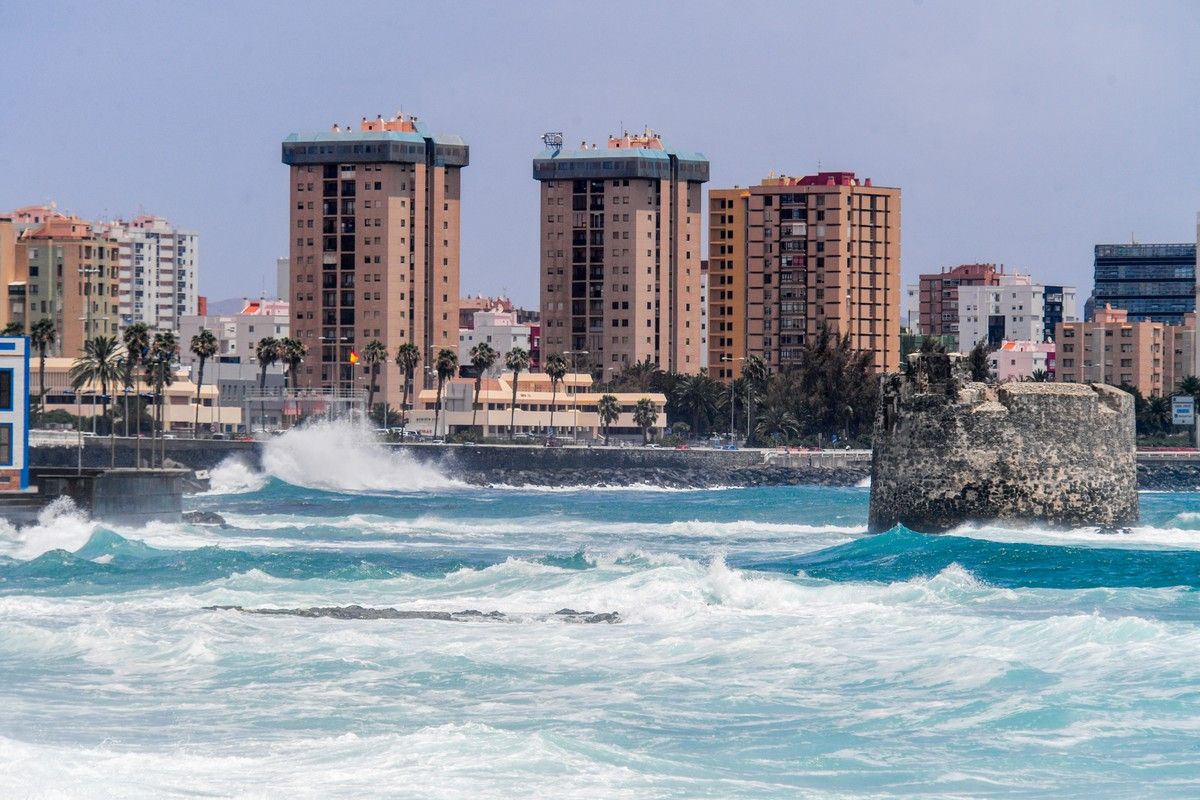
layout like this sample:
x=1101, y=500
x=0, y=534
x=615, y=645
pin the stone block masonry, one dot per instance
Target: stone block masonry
x=950, y=451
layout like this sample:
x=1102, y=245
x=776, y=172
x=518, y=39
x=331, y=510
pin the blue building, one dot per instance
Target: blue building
x=1154, y=282
x=14, y=413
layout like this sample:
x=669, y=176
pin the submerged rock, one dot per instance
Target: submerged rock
x=363, y=612
x=205, y=518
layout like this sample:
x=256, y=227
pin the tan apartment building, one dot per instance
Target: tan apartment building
x=620, y=252
x=374, y=253
x=938, y=297
x=1151, y=356
x=795, y=253
x=63, y=270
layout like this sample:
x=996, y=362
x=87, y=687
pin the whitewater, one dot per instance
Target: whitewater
x=744, y=643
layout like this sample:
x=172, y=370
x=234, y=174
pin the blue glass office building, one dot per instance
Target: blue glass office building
x=1155, y=282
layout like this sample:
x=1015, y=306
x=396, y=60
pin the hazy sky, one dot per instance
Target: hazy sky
x=1020, y=133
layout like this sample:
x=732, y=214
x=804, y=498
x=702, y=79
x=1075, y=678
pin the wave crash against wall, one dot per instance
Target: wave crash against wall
x=949, y=450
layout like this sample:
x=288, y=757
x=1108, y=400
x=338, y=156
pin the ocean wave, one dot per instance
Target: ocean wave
x=59, y=526
x=1142, y=537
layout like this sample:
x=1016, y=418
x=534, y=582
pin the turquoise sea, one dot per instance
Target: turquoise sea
x=766, y=646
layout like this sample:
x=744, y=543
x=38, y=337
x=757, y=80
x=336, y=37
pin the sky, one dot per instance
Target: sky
x=1020, y=133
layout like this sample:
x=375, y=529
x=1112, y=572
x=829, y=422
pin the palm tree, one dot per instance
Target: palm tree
x=609, y=410
x=42, y=336
x=267, y=351
x=98, y=365
x=482, y=359
x=516, y=360
x=755, y=376
x=1039, y=376
x=136, y=339
x=1190, y=385
x=556, y=368
x=13, y=329
x=374, y=354
x=408, y=357
x=446, y=364
x=645, y=415
x=701, y=397
x=203, y=346
x=777, y=423
x=160, y=373
x=291, y=351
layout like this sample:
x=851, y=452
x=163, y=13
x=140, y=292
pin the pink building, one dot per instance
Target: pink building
x=1015, y=361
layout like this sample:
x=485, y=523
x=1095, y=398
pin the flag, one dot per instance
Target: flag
x=353, y=357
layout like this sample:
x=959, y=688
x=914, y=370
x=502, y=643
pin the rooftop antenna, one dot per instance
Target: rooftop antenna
x=553, y=140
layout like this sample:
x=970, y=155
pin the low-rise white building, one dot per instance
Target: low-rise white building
x=499, y=329
x=237, y=334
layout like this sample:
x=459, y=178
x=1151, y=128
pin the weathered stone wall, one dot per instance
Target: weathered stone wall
x=948, y=451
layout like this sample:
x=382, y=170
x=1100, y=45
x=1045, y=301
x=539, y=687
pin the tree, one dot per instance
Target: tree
x=482, y=359
x=98, y=365
x=645, y=415
x=203, y=346
x=609, y=410
x=374, y=354
x=980, y=362
x=291, y=351
x=516, y=361
x=267, y=352
x=701, y=397
x=1039, y=376
x=13, y=329
x=445, y=365
x=160, y=374
x=136, y=339
x=1190, y=385
x=42, y=336
x=755, y=376
x=777, y=424
x=556, y=369
x=408, y=357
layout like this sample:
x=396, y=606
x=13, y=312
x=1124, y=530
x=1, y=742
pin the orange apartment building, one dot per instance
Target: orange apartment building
x=791, y=254
x=374, y=253
x=620, y=252
x=58, y=267
x=1151, y=356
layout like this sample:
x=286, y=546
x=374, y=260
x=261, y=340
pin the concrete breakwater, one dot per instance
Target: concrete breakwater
x=540, y=466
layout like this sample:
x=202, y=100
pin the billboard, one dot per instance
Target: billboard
x=1183, y=410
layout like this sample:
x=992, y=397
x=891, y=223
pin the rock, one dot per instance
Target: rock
x=949, y=451
x=205, y=518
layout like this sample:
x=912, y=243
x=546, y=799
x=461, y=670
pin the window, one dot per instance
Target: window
x=6, y=445
x=6, y=390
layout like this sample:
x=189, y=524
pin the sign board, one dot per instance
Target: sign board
x=1183, y=410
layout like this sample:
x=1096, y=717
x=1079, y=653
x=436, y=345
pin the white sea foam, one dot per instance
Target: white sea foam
x=1142, y=537
x=234, y=476
x=342, y=457
x=59, y=526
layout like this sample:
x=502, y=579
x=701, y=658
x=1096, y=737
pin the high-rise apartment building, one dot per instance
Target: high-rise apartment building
x=158, y=278
x=939, y=296
x=66, y=272
x=374, y=253
x=1155, y=282
x=1117, y=350
x=793, y=254
x=620, y=252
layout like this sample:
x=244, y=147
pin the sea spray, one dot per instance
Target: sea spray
x=60, y=526
x=341, y=456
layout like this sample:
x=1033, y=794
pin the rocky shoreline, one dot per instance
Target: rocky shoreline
x=670, y=477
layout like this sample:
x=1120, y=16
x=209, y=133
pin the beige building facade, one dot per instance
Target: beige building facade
x=374, y=254
x=574, y=404
x=621, y=251
x=795, y=253
x=1151, y=356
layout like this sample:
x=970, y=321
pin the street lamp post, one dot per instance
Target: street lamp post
x=575, y=401
x=731, y=359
